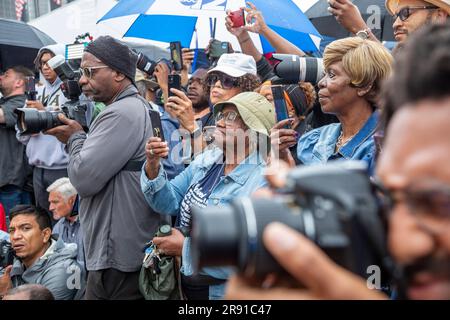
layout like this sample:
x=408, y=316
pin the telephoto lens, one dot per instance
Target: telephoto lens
x=294, y=69
x=145, y=64
x=30, y=121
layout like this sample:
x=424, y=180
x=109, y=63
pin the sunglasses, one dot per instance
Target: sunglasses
x=226, y=81
x=228, y=117
x=406, y=12
x=88, y=71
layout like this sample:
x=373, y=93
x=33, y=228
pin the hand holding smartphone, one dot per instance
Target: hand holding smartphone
x=30, y=88
x=155, y=118
x=280, y=104
x=238, y=18
x=174, y=81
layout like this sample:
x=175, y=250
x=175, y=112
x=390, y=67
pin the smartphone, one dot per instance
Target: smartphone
x=238, y=18
x=280, y=103
x=30, y=88
x=75, y=208
x=174, y=82
x=156, y=124
x=176, y=55
x=218, y=48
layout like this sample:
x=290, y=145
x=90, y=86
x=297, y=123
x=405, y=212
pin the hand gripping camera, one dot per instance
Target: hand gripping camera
x=333, y=205
x=30, y=121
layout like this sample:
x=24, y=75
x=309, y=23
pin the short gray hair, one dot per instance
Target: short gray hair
x=64, y=187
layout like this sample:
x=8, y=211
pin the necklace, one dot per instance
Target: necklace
x=340, y=142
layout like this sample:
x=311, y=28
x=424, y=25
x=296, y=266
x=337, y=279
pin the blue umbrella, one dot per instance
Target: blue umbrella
x=194, y=22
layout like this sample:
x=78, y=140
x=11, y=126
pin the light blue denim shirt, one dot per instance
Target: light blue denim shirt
x=165, y=196
x=318, y=145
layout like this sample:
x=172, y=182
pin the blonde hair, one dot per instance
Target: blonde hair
x=366, y=62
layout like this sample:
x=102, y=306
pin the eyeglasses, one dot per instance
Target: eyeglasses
x=429, y=204
x=229, y=118
x=226, y=81
x=87, y=71
x=404, y=13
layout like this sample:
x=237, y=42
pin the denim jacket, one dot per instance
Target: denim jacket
x=318, y=146
x=165, y=196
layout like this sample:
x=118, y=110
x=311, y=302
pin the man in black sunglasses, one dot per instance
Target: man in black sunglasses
x=105, y=169
x=408, y=16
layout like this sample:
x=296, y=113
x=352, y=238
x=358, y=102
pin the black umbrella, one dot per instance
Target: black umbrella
x=371, y=10
x=20, y=43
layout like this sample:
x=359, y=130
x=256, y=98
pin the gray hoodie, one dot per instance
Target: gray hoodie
x=44, y=151
x=57, y=270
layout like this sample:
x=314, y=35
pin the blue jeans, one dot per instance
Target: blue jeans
x=10, y=196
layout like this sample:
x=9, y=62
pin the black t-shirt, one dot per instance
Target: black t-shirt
x=13, y=162
x=198, y=193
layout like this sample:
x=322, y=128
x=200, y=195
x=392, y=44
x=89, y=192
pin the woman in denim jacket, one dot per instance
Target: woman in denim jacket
x=354, y=70
x=233, y=167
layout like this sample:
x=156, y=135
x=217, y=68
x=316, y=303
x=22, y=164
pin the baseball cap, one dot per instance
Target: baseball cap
x=235, y=65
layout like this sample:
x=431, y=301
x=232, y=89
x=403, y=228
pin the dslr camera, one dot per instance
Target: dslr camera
x=333, y=205
x=30, y=121
x=147, y=65
x=6, y=254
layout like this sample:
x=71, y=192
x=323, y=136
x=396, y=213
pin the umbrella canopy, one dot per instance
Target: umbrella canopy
x=373, y=12
x=195, y=22
x=20, y=43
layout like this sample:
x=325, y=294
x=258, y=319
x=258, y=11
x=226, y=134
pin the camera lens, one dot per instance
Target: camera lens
x=296, y=69
x=31, y=121
x=232, y=235
x=145, y=64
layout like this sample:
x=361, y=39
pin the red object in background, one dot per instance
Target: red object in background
x=269, y=57
x=238, y=18
x=2, y=218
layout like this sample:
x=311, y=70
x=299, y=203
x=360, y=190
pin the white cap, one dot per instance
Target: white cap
x=235, y=64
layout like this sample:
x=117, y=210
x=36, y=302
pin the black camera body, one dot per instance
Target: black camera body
x=333, y=205
x=6, y=254
x=30, y=121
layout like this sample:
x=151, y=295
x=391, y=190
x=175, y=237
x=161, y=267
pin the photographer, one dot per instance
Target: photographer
x=13, y=161
x=39, y=258
x=413, y=169
x=104, y=168
x=62, y=198
x=45, y=153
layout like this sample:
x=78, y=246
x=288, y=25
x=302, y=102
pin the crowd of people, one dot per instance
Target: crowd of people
x=84, y=211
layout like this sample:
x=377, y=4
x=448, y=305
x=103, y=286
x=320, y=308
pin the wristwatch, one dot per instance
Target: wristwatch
x=197, y=132
x=192, y=135
x=363, y=34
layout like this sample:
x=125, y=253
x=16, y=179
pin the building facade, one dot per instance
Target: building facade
x=31, y=9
